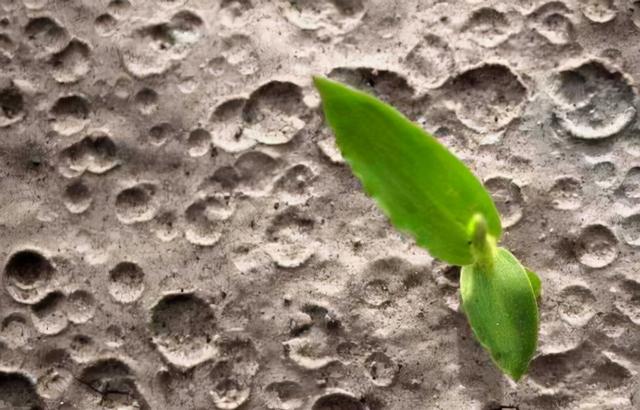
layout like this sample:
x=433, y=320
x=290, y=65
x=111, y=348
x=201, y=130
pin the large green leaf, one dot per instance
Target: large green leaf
x=421, y=186
x=501, y=307
x=535, y=281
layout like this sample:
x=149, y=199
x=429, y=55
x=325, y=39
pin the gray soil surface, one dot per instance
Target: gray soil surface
x=179, y=231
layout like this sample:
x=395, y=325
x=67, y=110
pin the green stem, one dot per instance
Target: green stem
x=483, y=244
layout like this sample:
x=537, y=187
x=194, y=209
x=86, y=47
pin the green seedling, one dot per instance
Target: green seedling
x=429, y=193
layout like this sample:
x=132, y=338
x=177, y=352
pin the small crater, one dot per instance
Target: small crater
x=376, y=293
x=230, y=391
x=72, y=63
x=27, y=276
x=183, y=329
x=384, y=84
x=159, y=134
x=7, y=48
x=431, y=61
x=296, y=180
x=81, y=306
x=629, y=189
x=566, y=193
x=635, y=13
x=328, y=19
x=274, y=113
x=227, y=126
x=551, y=21
x=628, y=300
x=111, y=385
x=487, y=27
x=70, y=114
x=290, y=242
x=488, y=97
x=126, y=282
x=338, y=400
x=83, y=348
x=105, y=25
x=77, y=197
x=594, y=101
x=49, y=316
x=596, y=246
x=199, y=142
x=147, y=101
x=604, y=174
x=205, y=219
x=114, y=336
x=45, y=35
x=17, y=391
x=165, y=226
x=96, y=153
x=576, y=305
x=238, y=58
x=598, y=11
x=630, y=227
x=153, y=49
x=310, y=353
x=11, y=105
x=15, y=331
x=381, y=369
x=284, y=395
x=255, y=171
x=119, y=8
x=136, y=204
x=54, y=383
x=232, y=376
x=508, y=199
x=225, y=179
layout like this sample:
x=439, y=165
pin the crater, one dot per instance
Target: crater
x=28, y=275
x=566, y=193
x=595, y=102
x=77, y=197
x=338, y=400
x=70, y=114
x=17, y=391
x=126, y=282
x=488, y=97
x=576, y=305
x=274, y=113
x=205, y=219
x=227, y=126
x=431, y=61
x=80, y=306
x=45, y=35
x=488, y=27
x=72, y=63
x=326, y=18
x=596, y=246
x=508, y=199
x=95, y=153
x=11, y=105
x=598, y=11
x=381, y=369
x=137, y=203
x=49, y=316
x=184, y=330
x=284, y=395
x=199, y=142
x=153, y=49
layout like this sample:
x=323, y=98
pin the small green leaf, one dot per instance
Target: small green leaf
x=535, y=281
x=421, y=186
x=502, y=311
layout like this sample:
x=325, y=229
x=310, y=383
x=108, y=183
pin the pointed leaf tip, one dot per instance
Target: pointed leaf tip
x=421, y=186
